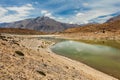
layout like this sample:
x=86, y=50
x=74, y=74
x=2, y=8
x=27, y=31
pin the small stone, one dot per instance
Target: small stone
x=42, y=73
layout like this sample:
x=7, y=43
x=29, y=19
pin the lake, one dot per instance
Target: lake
x=103, y=56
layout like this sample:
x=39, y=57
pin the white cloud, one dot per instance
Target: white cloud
x=81, y=11
x=85, y=4
x=20, y=13
x=79, y=14
x=85, y=11
x=47, y=13
x=71, y=22
x=86, y=17
x=60, y=18
x=44, y=12
x=23, y=10
x=102, y=20
x=3, y=11
x=100, y=8
x=29, y=5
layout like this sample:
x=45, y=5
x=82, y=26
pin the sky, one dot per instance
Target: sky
x=67, y=11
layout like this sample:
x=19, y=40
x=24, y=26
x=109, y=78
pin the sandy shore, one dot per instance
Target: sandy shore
x=91, y=36
x=38, y=62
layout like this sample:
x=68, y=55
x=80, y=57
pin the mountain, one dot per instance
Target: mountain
x=3, y=24
x=112, y=26
x=44, y=24
x=105, y=31
x=114, y=19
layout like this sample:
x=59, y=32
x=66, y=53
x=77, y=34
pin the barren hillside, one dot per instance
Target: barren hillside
x=19, y=31
x=95, y=31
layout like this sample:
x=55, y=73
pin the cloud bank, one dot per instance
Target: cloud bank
x=68, y=11
x=10, y=14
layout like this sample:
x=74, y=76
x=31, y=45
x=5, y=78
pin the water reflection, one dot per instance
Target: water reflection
x=104, y=58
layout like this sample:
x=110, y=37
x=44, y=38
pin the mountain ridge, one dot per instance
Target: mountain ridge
x=44, y=24
x=113, y=19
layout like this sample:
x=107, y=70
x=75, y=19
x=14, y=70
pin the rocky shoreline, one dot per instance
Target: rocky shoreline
x=28, y=58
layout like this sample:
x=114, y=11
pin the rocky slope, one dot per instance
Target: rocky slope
x=44, y=24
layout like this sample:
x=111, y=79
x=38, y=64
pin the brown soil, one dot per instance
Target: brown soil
x=20, y=31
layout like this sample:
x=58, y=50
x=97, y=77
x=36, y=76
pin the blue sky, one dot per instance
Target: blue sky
x=68, y=11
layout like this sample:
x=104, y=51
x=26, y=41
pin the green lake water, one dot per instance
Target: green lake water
x=105, y=58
